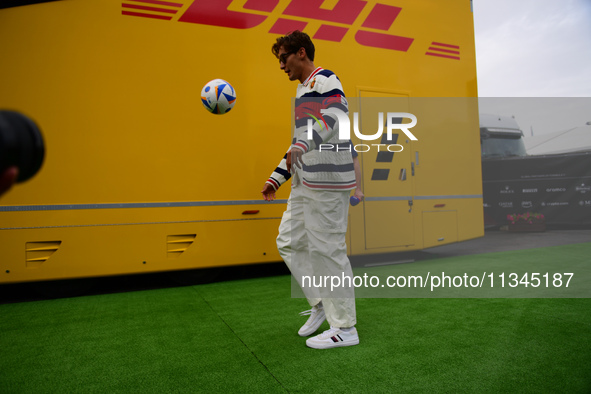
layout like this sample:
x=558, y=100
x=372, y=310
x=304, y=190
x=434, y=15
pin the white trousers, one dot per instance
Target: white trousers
x=311, y=241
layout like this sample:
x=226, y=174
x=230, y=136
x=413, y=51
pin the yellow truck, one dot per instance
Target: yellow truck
x=138, y=177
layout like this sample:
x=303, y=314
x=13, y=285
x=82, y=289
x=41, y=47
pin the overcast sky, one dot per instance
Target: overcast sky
x=535, y=48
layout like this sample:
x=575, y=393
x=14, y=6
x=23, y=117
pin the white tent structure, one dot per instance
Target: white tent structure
x=577, y=139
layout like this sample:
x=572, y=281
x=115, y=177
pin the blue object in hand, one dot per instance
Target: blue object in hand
x=354, y=200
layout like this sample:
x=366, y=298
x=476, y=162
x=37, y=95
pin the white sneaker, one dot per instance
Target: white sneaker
x=335, y=337
x=317, y=317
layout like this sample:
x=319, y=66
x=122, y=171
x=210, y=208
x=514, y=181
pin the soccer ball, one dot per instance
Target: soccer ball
x=218, y=96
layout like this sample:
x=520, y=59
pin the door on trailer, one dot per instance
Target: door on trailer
x=387, y=173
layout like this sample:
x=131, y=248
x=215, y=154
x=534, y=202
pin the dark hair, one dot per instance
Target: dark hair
x=292, y=42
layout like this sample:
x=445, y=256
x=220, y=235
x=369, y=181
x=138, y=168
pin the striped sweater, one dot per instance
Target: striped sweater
x=329, y=169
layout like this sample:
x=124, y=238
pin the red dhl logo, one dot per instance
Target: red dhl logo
x=345, y=12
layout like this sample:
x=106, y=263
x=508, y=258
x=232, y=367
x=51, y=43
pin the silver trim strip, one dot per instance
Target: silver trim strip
x=451, y=197
x=181, y=204
x=404, y=198
x=178, y=204
x=389, y=198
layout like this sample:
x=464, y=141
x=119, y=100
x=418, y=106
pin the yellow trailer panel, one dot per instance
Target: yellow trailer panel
x=138, y=177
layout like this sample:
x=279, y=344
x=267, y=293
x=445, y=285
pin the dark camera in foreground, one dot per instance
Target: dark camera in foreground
x=21, y=145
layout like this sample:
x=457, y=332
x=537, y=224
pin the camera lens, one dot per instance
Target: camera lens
x=21, y=144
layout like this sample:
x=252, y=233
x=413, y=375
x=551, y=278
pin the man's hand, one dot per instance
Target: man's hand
x=268, y=192
x=359, y=194
x=294, y=157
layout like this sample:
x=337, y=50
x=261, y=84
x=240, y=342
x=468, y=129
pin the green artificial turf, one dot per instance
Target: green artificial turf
x=241, y=336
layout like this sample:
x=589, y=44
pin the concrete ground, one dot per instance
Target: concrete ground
x=499, y=241
x=492, y=241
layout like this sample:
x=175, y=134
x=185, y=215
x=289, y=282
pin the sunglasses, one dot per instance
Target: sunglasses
x=283, y=57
